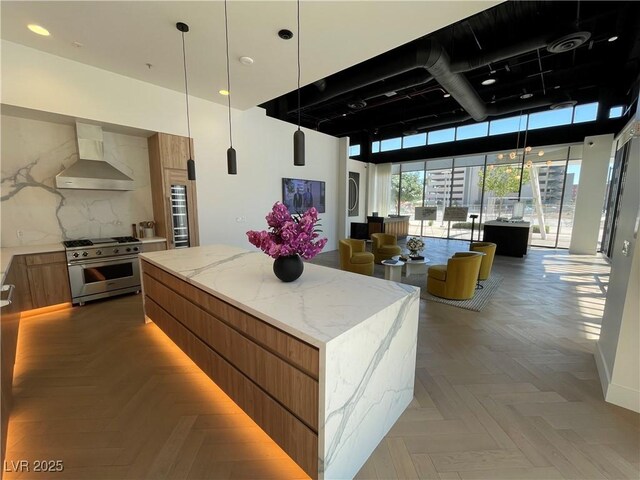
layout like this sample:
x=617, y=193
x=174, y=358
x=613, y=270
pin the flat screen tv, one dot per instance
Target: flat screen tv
x=299, y=195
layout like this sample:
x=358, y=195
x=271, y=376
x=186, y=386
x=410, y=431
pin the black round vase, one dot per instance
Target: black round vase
x=288, y=268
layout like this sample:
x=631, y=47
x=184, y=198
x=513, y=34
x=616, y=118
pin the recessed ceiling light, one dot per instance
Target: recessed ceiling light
x=38, y=29
x=246, y=60
x=489, y=81
x=446, y=95
x=524, y=96
x=223, y=92
x=613, y=39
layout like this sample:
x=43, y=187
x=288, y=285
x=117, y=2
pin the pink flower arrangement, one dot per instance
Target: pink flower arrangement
x=289, y=234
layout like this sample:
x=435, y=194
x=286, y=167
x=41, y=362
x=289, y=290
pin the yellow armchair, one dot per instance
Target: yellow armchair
x=384, y=246
x=354, y=258
x=489, y=250
x=457, y=279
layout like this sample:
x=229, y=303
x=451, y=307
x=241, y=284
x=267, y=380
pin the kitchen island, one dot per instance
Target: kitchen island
x=324, y=365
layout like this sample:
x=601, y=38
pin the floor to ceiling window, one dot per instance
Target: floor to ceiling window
x=501, y=180
x=467, y=192
x=412, y=192
x=438, y=191
x=394, y=199
x=538, y=184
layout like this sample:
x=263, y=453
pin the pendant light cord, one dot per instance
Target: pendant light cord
x=186, y=92
x=299, y=113
x=226, y=36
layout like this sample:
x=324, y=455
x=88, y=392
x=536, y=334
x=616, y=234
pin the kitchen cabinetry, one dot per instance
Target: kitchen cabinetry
x=154, y=246
x=173, y=195
x=511, y=239
x=48, y=279
x=9, y=324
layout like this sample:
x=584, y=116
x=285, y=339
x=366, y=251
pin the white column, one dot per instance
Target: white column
x=343, y=187
x=593, y=183
x=618, y=349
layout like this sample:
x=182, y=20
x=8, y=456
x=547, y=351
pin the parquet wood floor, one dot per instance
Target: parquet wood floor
x=511, y=392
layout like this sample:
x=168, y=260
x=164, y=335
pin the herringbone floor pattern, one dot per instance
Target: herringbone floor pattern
x=511, y=392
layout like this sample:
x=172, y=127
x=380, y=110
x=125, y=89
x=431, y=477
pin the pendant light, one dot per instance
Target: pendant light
x=232, y=167
x=298, y=136
x=191, y=165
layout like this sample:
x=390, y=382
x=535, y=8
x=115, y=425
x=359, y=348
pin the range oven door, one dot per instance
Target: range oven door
x=102, y=277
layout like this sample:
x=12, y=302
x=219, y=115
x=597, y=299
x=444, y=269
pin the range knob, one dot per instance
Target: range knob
x=85, y=254
x=98, y=252
x=116, y=250
x=76, y=254
x=128, y=249
x=135, y=249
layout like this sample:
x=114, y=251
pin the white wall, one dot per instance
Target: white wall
x=596, y=154
x=618, y=349
x=39, y=81
x=34, y=212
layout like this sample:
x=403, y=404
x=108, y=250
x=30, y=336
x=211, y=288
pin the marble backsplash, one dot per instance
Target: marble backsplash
x=34, y=212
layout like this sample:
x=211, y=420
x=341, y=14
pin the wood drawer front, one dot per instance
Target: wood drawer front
x=294, y=389
x=154, y=246
x=43, y=258
x=295, y=351
x=296, y=439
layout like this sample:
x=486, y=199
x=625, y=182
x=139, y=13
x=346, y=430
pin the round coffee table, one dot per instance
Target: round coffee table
x=392, y=271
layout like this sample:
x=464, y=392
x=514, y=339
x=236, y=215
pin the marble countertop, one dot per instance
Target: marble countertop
x=7, y=253
x=152, y=239
x=318, y=307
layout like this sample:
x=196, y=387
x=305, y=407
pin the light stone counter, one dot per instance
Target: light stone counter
x=364, y=328
x=153, y=239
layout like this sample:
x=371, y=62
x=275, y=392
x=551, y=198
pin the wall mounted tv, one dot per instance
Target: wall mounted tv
x=299, y=195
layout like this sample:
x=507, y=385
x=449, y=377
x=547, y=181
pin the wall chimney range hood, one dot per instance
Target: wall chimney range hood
x=91, y=171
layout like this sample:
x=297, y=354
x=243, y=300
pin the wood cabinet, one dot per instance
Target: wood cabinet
x=48, y=279
x=154, y=246
x=9, y=325
x=39, y=280
x=511, y=239
x=270, y=374
x=174, y=197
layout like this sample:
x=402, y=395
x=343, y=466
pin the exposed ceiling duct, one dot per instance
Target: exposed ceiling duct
x=584, y=55
x=413, y=65
x=387, y=65
x=568, y=42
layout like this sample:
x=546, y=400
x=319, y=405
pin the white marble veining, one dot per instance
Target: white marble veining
x=318, y=307
x=365, y=329
x=368, y=383
x=35, y=212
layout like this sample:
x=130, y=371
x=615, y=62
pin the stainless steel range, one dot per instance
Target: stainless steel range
x=103, y=267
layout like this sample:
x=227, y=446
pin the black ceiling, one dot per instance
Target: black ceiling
x=402, y=91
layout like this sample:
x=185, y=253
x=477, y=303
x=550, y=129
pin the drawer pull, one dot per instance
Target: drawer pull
x=8, y=300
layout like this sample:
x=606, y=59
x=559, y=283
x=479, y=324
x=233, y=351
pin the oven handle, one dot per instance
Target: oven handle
x=113, y=260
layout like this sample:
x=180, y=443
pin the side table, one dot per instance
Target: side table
x=417, y=266
x=393, y=271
